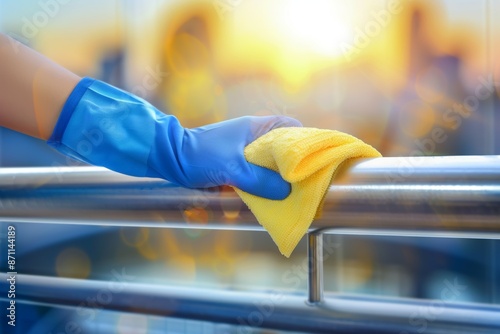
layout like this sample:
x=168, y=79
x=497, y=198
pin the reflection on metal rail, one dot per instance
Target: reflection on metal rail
x=423, y=194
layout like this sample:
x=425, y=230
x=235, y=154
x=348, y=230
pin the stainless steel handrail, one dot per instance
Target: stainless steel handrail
x=424, y=193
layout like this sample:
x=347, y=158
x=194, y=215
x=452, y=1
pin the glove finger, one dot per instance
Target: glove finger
x=284, y=121
x=264, y=182
x=262, y=125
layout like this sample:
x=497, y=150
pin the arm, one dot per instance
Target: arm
x=33, y=89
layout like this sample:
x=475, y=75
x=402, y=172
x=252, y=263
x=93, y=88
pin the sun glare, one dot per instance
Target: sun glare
x=320, y=26
x=293, y=38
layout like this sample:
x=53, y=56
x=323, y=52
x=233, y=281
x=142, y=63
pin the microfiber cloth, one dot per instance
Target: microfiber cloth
x=308, y=159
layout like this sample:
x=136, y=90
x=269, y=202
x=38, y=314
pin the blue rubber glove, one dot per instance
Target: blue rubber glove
x=105, y=126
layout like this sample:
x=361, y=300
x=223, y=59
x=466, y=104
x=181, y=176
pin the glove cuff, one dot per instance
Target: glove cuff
x=106, y=126
x=67, y=111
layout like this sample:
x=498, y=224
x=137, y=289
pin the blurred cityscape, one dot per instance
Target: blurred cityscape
x=409, y=77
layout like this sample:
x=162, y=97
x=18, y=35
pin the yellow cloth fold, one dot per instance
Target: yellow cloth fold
x=308, y=159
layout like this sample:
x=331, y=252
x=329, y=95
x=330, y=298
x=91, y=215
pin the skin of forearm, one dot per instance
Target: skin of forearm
x=33, y=89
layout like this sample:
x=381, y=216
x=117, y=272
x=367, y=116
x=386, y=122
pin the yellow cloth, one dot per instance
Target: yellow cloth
x=308, y=159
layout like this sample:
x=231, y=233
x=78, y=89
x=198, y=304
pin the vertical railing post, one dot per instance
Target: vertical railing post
x=315, y=267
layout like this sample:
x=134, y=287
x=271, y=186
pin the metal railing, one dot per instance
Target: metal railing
x=424, y=193
x=445, y=196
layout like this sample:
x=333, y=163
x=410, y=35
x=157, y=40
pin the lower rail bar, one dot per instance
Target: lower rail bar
x=338, y=314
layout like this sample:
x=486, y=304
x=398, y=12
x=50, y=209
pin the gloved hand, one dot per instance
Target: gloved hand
x=105, y=126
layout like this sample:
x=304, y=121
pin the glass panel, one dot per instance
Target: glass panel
x=413, y=267
x=234, y=260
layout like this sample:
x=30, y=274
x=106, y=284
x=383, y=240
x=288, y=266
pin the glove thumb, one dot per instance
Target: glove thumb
x=264, y=182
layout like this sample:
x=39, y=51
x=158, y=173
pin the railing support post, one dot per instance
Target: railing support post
x=315, y=267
